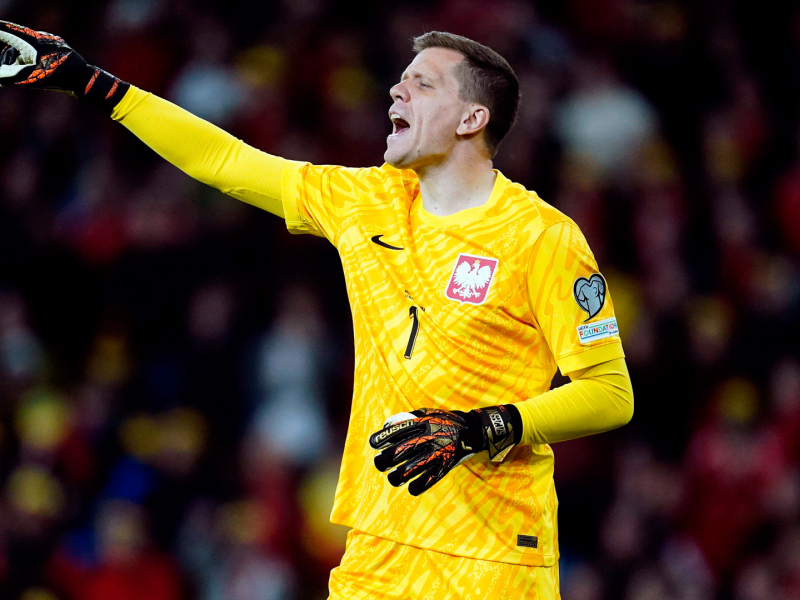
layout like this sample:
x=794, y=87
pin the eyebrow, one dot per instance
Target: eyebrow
x=417, y=74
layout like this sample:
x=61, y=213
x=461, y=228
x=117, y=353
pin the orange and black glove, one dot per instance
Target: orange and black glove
x=40, y=60
x=426, y=444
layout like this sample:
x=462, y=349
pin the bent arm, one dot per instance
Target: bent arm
x=598, y=399
x=204, y=151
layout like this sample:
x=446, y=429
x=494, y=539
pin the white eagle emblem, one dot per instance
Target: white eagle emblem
x=471, y=278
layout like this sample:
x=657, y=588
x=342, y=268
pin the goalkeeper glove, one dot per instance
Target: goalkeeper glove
x=43, y=61
x=428, y=443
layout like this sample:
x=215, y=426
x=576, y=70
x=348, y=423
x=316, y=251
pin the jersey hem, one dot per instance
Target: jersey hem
x=529, y=560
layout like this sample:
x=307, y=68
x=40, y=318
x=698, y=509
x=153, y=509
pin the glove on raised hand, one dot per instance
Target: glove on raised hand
x=428, y=443
x=40, y=60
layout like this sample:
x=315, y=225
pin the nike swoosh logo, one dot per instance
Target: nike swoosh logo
x=377, y=240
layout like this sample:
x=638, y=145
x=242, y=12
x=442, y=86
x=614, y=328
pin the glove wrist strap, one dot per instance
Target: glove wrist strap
x=501, y=428
x=100, y=88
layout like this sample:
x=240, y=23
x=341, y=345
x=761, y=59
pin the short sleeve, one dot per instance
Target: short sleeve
x=570, y=300
x=316, y=199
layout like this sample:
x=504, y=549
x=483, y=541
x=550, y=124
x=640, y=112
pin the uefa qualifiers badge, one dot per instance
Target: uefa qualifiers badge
x=590, y=294
x=471, y=279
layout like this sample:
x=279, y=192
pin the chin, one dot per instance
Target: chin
x=392, y=159
x=400, y=160
x=400, y=152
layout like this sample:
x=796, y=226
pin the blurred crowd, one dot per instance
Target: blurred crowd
x=176, y=370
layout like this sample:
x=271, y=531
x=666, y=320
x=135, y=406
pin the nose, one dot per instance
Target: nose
x=399, y=92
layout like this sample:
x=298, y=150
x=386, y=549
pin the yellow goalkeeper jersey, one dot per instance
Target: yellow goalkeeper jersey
x=459, y=312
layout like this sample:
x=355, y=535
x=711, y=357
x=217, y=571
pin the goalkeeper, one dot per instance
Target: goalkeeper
x=468, y=292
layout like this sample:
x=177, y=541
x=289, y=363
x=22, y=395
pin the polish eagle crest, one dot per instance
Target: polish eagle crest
x=471, y=279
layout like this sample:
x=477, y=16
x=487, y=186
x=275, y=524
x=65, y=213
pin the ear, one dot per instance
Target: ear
x=474, y=120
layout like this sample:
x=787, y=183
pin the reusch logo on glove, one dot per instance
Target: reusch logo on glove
x=384, y=433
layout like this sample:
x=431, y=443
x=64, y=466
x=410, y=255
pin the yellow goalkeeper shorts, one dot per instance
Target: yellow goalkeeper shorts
x=377, y=569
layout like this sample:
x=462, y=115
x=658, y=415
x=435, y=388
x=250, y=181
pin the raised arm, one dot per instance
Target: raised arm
x=204, y=151
x=40, y=60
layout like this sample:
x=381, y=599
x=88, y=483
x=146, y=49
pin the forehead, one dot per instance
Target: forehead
x=434, y=62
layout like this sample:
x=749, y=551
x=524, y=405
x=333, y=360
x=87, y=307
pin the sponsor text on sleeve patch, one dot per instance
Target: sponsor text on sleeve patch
x=591, y=332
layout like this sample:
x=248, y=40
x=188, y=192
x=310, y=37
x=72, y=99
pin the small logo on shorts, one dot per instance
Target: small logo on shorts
x=528, y=541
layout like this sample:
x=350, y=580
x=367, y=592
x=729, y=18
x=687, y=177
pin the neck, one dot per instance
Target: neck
x=456, y=184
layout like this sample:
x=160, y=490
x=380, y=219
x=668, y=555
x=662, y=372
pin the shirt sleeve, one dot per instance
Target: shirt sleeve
x=204, y=151
x=598, y=399
x=318, y=198
x=312, y=199
x=570, y=300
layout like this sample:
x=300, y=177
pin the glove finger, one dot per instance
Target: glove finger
x=396, y=478
x=385, y=460
x=8, y=54
x=390, y=434
x=23, y=44
x=394, y=434
x=427, y=480
x=402, y=451
x=14, y=73
x=25, y=33
x=432, y=471
x=421, y=465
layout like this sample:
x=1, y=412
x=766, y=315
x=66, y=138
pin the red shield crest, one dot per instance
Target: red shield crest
x=471, y=279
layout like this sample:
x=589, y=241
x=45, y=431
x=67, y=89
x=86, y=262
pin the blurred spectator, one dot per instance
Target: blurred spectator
x=602, y=121
x=290, y=421
x=128, y=568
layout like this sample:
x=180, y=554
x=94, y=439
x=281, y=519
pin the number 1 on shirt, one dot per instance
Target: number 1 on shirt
x=412, y=314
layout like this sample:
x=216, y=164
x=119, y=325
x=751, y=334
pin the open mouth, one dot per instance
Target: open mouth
x=399, y=125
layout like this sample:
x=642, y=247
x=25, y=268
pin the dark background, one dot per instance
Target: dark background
x=176, y=369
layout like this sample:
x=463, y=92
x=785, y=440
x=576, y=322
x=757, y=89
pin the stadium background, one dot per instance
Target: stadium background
x=175, y=368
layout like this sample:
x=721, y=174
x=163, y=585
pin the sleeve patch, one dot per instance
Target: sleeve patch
x=597, y=331
x=590, y=294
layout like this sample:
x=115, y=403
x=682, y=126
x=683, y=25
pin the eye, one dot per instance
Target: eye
x=424, y=85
